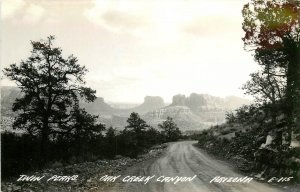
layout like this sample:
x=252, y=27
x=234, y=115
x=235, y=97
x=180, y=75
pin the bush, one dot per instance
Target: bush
x=19, y=154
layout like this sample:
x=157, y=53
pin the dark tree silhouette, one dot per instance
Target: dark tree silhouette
x=51, y=86
x=135, y=132
x=84, y=129
x=272, y=30
x=170, y=130
x=269, y=90
x=265, y=88
x=136, y=124
x=153, y=137
x=111, y=143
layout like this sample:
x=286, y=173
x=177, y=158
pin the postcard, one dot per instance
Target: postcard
x=150, y=96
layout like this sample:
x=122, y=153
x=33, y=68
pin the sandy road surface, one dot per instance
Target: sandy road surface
x=183, y=159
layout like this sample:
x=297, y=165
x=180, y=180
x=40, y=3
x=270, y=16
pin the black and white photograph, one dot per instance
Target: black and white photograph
x=150, y=95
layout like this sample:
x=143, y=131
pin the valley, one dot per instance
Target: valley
x=193, y=113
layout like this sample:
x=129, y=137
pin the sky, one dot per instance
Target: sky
x=134, y=48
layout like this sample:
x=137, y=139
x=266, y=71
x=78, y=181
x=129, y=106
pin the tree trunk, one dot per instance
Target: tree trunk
x=44, y=143
x=292, y=88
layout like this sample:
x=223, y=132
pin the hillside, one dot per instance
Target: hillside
x=98, y=107
x=8, y=96
x=195, y=112
x=182, y=115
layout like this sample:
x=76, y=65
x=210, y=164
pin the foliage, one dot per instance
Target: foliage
x=57, y=129
x=265, y=88
x=21, y=153
x=170, y=130
x=250, y=126
x=272, y=30
x=18, y=153
x=51, y=87
x=154, y=137
x=138, y=136
x=85, y=129
x=111, y=143
x=136, y=124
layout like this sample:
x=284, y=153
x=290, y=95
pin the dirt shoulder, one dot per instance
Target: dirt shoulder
x=243, y=166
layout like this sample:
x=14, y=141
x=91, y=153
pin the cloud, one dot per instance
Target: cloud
x=122, y=22
x=153, y=22
x=211, y=26
x=140, y=46
x=24, y=11
x=117, y=16
x=33, y=13
x=10, y=7
x=164, y=22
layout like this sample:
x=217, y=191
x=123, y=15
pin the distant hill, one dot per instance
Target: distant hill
x=150, y=103
x=101, y=108
x=8, y=96
x=98, y=107
x=182, y=115
x=197, y=101
x=195, y=112
x=109, y=115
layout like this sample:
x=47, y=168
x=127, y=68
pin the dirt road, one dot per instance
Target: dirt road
x=185, y=160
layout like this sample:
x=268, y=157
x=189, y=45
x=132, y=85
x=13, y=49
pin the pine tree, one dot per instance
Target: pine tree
x=51, y=87
x=170, y=130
